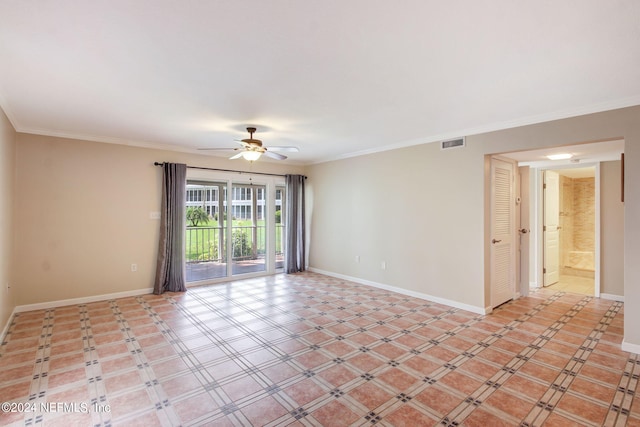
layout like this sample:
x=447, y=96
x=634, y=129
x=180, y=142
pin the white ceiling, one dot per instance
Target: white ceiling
x=336, y=78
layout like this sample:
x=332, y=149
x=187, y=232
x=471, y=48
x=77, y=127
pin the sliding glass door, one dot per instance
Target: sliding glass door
x=233, y=228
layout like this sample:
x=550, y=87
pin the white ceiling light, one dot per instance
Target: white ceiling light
x=251, y=155
x=560, y=156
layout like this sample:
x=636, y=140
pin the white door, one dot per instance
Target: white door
x=502, y=242
x=550, y=229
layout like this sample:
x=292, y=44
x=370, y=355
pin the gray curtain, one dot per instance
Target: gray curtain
x=294, y=214
x=170, y=266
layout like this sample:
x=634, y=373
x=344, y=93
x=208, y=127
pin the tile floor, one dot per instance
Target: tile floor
x=575, y=284
x=307, y=349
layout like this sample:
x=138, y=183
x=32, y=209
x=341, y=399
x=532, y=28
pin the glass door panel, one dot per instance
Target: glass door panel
x=280, y=227
x=205, y=243
x=248, y=229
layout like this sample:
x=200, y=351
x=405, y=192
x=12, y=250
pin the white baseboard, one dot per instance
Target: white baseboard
x=82, y=300
x=6, y=326
x=632, y=348
x=612, y=297
x=451, y=303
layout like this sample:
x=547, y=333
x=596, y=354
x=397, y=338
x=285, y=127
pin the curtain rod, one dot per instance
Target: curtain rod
x=226, y=170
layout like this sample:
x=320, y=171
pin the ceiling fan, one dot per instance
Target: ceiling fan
x=252, y=149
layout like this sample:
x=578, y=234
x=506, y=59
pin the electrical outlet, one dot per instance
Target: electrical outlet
x=383, y=265
x=357, y=258
x=8, y=286
x=154, y=215
x=134, y=267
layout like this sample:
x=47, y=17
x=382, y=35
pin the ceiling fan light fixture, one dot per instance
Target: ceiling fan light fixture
x=252, y=156
x=252, y=149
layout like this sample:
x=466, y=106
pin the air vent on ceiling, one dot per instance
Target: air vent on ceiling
x=452, y=143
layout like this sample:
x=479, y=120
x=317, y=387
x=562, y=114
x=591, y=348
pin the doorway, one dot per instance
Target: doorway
x=569, y=229
x=583, y=266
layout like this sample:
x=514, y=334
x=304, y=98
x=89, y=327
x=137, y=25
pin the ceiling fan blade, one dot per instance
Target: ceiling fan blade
x=285, y=148
x=274, y=155
x=237, y=156
x=241, y=142
x=217, y=149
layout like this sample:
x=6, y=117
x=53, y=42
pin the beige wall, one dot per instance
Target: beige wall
x=612, y=230
x=423, y=210
x=408, y=208
x=7, y=171
x=82, y=215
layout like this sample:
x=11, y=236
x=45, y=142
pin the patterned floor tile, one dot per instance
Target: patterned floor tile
x=307, y=349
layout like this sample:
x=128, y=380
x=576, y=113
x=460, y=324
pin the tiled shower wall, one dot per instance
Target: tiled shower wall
x=577, y=219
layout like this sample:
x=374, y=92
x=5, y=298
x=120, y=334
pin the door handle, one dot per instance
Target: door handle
x=523, y=230
x=494, y=241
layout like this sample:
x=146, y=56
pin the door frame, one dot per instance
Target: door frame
x=523, y=222
x=547, y=263
x=537, y=224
